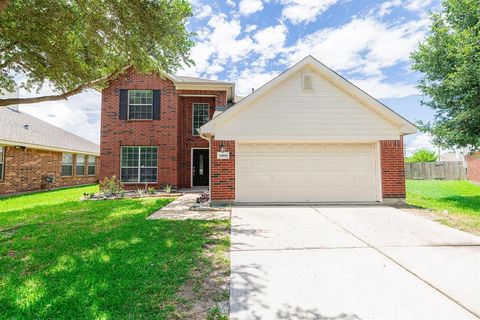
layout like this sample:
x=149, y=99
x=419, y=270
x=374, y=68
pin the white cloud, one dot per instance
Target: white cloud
x=203, y=11
x=381, y=89
x=247, y=7
x=271, y=38
x=251, y=79
x=387, y=7
x=250, y=27
x=363, y=45
x=418, y=141
x=80, y=114
x=304, y=11
x=416, y=5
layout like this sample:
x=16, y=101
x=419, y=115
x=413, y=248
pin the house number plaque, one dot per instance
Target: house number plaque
x=223, y=155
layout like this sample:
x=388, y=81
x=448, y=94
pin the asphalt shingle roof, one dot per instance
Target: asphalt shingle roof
x=20, y=128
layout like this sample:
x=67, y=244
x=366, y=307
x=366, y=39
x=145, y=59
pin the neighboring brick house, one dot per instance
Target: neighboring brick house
x=32, y=150
x=308, y=135
x=473, y=167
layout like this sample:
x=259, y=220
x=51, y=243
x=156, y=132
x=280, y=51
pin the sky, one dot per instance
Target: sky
x=251, y=41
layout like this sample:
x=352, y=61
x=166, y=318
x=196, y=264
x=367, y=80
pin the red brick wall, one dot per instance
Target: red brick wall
x=161, y=133
x=392, y=168
x=222, y=172
x=26, y=169
x=187, y=140
x=473, y=167
x=172, y=133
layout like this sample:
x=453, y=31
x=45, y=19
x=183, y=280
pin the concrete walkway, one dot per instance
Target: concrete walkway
x=180, y=210
x=178, y=207
x=350, y=263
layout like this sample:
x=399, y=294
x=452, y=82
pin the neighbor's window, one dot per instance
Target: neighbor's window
x=2, y=161
x=67, y=165
x=200, y=116
x=307, y=82
x=92, y=165
x=139, y=164
x=140, y=104
x=80, y=167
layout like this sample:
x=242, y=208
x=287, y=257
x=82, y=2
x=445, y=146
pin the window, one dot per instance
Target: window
x=2, y=161
x=200, y=116
x=140, y=104
x=139, y=164
x=92, y=165
x=67, y=165
x=80, y=167
x=307, y=82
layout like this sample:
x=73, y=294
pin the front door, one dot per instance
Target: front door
x=200, y=170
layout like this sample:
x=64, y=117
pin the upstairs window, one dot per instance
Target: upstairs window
x=80, y=165
x=307, y=82
x=140, y=104
x=139, y=164
x=67, y=165
x=92, y=165
x=200, y=116
x=2, y=161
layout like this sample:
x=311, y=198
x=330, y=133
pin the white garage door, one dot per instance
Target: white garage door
x=306, y=173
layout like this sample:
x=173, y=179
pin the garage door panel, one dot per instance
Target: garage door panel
x=306, y=173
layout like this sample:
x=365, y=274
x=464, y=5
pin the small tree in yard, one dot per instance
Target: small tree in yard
x=422, y=155
x=449, y=61
x=76, y=45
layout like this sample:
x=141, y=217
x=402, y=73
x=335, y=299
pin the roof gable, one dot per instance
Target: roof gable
x=403, y=125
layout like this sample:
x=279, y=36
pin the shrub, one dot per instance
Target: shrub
x=167, y=188
x=112, y=186
x=151, y=190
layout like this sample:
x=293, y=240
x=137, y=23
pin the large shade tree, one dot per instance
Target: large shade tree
x=78, y=44
x=449, y=61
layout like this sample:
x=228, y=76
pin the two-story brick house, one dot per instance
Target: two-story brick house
x=149, y=130
x=308, y=135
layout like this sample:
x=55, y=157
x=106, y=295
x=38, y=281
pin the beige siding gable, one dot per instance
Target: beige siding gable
x=287, y=113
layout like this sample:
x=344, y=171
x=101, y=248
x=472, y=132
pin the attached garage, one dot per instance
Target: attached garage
x=306, y=173
x=307, y=136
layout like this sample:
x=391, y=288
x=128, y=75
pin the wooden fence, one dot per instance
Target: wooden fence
x=443, y=170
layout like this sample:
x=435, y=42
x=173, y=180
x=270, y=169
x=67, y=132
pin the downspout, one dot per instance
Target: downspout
x=203, y=136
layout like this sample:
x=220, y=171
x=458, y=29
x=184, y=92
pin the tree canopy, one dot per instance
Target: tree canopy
x=422, y=155
x=449, y=61
x=82, y=44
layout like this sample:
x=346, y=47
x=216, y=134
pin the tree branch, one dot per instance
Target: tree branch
x=65, y=95
x=3, y=4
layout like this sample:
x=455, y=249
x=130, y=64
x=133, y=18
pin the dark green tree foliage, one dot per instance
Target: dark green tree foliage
x=82, y=44
x=449, y=61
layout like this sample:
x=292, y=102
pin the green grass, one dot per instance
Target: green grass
x=460, y=198
x=65, y=258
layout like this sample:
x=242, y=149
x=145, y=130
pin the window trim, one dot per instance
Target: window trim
x=128, y=105
x=2, y=162
x=76, y=165
x=197, y=134
x=94, y=165
x=62, y=164
x=138, y=181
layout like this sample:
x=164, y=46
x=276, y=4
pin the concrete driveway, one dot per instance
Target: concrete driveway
x=350, y=263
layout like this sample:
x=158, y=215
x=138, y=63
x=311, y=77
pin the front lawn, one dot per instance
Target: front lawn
x=460, y=198
x=65, y=258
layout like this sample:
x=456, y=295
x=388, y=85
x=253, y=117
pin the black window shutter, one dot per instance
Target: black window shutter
x=123, y=104
x=156, y=104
